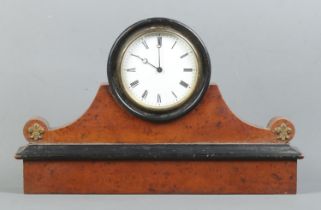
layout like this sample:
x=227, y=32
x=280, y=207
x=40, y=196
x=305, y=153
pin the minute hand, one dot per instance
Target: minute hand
x=145, y=61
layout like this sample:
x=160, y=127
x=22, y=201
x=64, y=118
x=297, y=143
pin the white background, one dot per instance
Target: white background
x=266, y=58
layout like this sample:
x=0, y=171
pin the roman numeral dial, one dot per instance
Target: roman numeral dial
x=145, y=94
x=159, y=70
x=145, y=44
x=159, y=98
x=134, y=83
x=184, y=84
x=159, y=41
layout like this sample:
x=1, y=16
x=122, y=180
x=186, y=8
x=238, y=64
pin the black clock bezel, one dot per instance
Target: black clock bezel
x=157, y=116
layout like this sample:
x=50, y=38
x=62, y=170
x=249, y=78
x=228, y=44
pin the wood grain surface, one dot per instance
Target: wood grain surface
x=210, y=122
x=157, y=177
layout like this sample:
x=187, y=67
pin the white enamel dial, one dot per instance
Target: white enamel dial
x=159, y=69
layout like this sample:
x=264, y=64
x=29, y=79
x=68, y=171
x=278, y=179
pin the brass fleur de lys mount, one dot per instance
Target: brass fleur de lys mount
x=283, y=132
x=36, y=131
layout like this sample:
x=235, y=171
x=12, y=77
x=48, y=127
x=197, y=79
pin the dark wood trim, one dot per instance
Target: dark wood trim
x=158, y=152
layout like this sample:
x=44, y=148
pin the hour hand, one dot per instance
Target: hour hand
x=144, y=60
x=137, y=56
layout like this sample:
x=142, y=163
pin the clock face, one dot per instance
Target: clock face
x=158, y=69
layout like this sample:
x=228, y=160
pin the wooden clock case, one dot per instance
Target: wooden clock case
x=207, y=151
